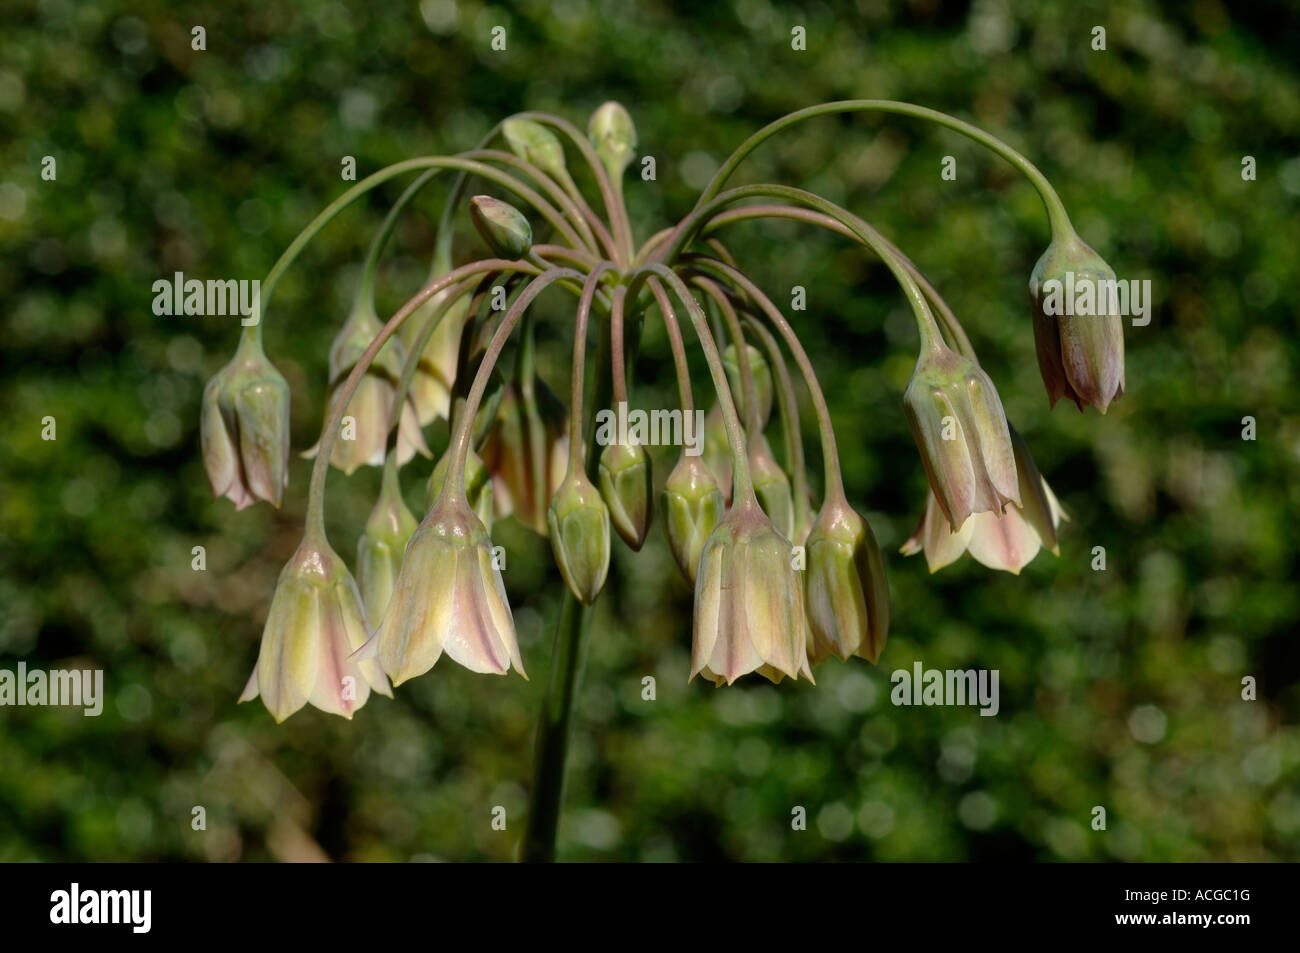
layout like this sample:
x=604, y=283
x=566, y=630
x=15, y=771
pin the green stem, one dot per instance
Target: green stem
x=1060, y=221
x=562, y=687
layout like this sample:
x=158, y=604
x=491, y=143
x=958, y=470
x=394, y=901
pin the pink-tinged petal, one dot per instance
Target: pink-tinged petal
x=1008, y=543
x=250, y=687
x=943, y=546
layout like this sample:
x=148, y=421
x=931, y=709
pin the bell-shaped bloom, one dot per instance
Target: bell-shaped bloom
x=363, y=435
x=693, y=506
x=1078, y=332
x=627, y=486
x=579, y=522
x=244, y=430
x=449, y=597
x=749, y=607
x=315, y=624
x=1009, y=542
x=771, y=485
x=961, y=431
x=478, y=485
x=761, y=375
x=846, y=592
x=526, y=454
x=381, y=545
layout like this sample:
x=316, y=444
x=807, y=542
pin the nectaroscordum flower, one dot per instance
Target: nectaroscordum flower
x=693, y=506
x=961, y=431
x=1078, y=336
x=380, y=547
x=579, y=523
x=315, y=624
x=448, y=597
x=627, y=486
x=1008, y=542
x=365, y=422
x=244, y=429
x=846, y=592
x=749, y=607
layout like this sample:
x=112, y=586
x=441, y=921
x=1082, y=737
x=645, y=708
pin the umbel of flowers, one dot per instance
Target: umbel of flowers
x=734, y=518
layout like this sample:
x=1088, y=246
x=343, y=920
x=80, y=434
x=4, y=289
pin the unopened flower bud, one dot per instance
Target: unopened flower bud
x=961, y=432
x=612, y=133
x=449, y=597
x=502, y=226
x=478, y=485
x=380, y=548
x=244, y=430
x=534, y=143
x=771, y=485
x=846, y=592
x=749, y=608
x=693, y=506
x=760, y=374
x=579, y=522
x=1078, y=336
x=627, y=487
x=315, y=624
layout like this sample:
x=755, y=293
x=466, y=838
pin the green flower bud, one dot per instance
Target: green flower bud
x=961, y=431
x=478, y=485
x=579, y=522
x=846, y=593
x=380, y=548
x=612, y=133
x=749, y=611
x=693, y=506
x=244, y=430
x=502, y=226
x=534, y=143
x=627, y=487
x=761, y=375
x=1080, y=353
x=771, y=485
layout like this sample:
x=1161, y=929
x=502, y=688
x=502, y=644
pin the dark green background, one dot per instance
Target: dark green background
x=210, y=162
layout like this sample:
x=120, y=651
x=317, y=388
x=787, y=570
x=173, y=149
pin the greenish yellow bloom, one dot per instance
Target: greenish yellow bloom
x=846, y=592
x=579, y=522
x=244, y=430
x=693, y=506
x=627, y=486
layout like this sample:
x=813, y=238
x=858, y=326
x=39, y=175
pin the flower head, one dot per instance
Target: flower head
x=846, y=592
x=627, y=486
x=244, y=430
x=315, y=624
x=1078, y=336
x=749, y=608
x=364, y=435
x=448, y=597
x=579, y=522
x=961, y=431
x=1009, y=542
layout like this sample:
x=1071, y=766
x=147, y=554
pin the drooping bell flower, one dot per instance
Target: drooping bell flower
x=846, y=592
x=579, y=523
x=693, y=506
x=627, y=486
x=1008, y=543
x=449, y=597
x=961, y=431
x=749, y=607
x=381, y=545
x=1078, y=334
x=315, y=624
x=363, y=433
x=244, y=429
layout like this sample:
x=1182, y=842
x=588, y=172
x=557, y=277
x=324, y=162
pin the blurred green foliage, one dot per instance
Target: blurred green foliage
x=209, y=163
